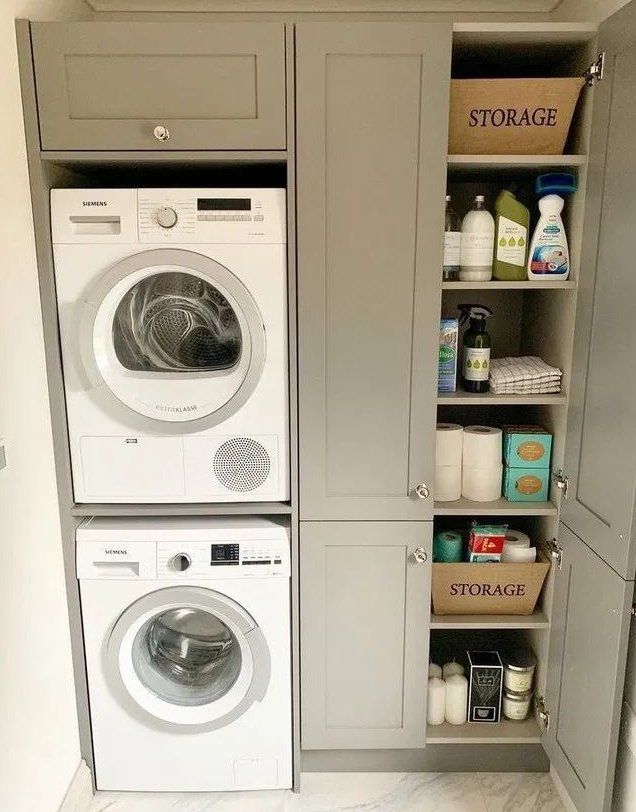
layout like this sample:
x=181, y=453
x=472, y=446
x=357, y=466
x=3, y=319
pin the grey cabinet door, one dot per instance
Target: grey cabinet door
x=601, y=439
x=586, y=670
x=365, y=611
x=107, y=85
x=372, y=107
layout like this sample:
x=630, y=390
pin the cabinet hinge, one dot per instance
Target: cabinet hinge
x=541, y=713
x=594, y=73
x=634, y=610
x=562, y=482
x=555, y=552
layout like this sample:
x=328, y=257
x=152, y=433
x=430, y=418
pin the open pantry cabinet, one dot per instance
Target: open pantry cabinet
x=584, y=327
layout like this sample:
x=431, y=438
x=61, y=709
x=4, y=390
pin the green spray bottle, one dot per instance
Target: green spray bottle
x=476, y=343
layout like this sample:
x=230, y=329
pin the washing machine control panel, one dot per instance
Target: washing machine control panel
x=200, y=560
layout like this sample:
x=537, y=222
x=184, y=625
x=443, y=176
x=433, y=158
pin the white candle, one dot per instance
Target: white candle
x=456, y=699
x=451, y=669
x=436, y=708
x=434, y=670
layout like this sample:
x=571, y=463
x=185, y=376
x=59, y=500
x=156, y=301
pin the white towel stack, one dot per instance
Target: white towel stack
x=520, y=376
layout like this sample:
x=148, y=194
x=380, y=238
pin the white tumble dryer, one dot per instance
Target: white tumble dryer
x=187, y=638
x=173, y=326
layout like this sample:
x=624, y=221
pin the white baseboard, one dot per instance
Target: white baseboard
x=80, y=792
x=563, y=793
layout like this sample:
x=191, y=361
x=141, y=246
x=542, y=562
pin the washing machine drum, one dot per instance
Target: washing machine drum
x=176, y=336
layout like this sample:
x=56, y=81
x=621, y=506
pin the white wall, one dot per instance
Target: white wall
x=39, y=744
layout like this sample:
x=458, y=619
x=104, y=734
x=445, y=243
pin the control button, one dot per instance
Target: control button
x=180, y=562
x=258, y=218
x=166, y=217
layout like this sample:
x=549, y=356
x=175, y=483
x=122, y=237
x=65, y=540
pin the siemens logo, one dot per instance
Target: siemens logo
x=110, y=551
x=94, y=203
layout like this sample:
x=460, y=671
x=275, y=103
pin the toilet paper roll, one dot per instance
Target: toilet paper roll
x=448, y=483
x=482, y=484
x=448, y=444
x=481, y=447
x=519, y=555
x=448, y=547
x=515, y=538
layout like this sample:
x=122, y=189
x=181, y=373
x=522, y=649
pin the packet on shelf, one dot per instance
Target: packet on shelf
x=486, y=542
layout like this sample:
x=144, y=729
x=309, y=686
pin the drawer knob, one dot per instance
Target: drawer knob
x=420, y=555
x=422, y=490
x=161, y=133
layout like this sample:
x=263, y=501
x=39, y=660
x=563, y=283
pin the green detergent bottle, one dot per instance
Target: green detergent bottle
x=512, y=220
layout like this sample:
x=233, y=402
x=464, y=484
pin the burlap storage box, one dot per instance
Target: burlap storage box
x=511, y=116
x=488, y=589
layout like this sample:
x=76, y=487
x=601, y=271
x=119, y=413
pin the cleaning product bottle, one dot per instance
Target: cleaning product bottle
x=549, y=258
x=476, y=343
x=512, y=221
x=478, y=237
x=452, y=243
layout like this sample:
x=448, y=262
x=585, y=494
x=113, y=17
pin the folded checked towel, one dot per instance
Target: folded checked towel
x=528, y=374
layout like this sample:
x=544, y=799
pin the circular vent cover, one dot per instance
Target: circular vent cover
x=241, y=464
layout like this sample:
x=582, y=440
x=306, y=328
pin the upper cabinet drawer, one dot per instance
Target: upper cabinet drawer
x=107, y=86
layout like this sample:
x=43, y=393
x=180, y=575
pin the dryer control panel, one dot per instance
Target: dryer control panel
x=211, y=216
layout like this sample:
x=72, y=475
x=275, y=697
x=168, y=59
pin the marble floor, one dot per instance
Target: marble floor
x=363, y=792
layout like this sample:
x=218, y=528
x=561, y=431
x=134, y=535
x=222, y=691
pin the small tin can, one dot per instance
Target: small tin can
x=516, y=706
x=519, y=667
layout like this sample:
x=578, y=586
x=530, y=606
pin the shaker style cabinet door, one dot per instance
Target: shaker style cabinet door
x=586, y=671
x=600, y=459
x=365, y=612
x=372, y=119
x=108, y=86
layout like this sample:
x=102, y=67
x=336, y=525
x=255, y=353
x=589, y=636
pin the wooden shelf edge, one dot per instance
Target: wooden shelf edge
x=496, y=284
x=162, y=156
x=460, y=398
x=530, y=161
x=505, y=732
x=499, y=507
x=184, y=509
x=537, y=620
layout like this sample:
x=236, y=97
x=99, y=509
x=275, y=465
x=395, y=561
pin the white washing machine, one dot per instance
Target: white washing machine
x=187, y=638
x=173, y=325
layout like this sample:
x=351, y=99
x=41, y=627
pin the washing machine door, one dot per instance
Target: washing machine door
x=187, y=656
x=175, y=336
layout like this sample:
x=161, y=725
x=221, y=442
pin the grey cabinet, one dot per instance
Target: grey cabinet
x=365, y=608
x=107, y=85
x=588, y=651
x=601, y=440
x=372, y=118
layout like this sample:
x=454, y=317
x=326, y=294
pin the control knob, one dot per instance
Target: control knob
x=180, y=562
x=166, y=217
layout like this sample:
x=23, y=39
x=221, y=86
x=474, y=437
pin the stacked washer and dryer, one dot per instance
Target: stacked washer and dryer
x=173, y=328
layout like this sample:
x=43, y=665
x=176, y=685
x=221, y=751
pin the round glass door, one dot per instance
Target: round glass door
x=176, y=337
x=176, y=322
x=188, y=656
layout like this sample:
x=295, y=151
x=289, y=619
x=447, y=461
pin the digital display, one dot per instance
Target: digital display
x=224, y=204
x=224, y=554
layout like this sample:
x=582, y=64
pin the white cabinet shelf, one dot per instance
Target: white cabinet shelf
x=537, y=620
x=505, y=732
x=499, y=507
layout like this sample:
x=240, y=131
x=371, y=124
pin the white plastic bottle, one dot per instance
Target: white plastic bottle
x=478, y=241
x=549, y=257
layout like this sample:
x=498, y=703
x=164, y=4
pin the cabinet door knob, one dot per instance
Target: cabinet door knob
x=422, y=490
x=420, y=555
x=161, y=133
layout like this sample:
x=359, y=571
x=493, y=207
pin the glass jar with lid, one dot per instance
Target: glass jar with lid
x=519, y=668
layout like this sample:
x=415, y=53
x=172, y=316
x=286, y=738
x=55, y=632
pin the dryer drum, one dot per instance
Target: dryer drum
x=176, y=322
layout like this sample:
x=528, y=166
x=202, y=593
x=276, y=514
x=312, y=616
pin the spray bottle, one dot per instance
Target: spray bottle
x=476, y=343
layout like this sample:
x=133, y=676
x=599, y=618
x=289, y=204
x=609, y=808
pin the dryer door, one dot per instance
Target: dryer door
x=187, y=656
x=175, y=336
